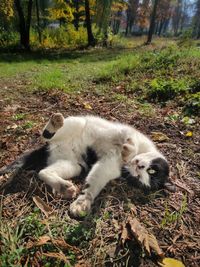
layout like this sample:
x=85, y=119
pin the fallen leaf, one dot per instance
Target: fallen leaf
x=57, y=255
x=189, y=134
x=124, y=234
x=63, y=245
x=87, y=106
x=159, y=137
x=41, y=241
x=42, y=206
x=148, y=241
x=169, y=262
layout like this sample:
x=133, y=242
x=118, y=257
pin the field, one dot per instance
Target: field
x=154, y=88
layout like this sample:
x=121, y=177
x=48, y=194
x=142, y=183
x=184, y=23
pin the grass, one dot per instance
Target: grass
x=157, y=73
x=175, y=216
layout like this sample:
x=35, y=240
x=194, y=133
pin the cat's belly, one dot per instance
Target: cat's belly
x=64, y=151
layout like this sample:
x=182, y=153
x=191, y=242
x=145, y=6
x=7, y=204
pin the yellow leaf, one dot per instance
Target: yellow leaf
x=159, y=136
x=189, y=134
x=87, y=106
x=169, y=262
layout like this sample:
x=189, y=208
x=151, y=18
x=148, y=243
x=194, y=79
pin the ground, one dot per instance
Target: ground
x=34, y=86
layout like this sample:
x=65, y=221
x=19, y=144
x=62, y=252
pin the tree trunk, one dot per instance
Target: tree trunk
x=152, y=24
x=76, y=14
x=160, y=28
x=24, y=26
x=38, y=21
x=91, y=39
x=165, y=26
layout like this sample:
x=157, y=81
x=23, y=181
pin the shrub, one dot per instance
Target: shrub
x=8, y=38
x=163, y=90
x=64, y=37
x=192, y=106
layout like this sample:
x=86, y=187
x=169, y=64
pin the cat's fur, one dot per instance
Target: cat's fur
x=73, y=140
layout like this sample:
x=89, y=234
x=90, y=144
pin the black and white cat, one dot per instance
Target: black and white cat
x=101, y=148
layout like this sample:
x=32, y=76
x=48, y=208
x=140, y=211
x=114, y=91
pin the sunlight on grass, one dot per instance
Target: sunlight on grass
x=50, y=79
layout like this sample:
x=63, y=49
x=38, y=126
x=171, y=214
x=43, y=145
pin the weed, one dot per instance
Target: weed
x=78, y=234
x=175, y=216
x=28, y=125
x=192, y=106
x=18, y=117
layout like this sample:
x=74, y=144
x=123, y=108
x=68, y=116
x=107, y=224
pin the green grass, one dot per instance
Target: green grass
x=33, y=227
x=160, y=72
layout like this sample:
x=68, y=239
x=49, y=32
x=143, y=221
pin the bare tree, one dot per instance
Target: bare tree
x=153, y=21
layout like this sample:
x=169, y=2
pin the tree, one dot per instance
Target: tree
x=153, y=20
x=6, y=13
x=24, y=23
x=176, y=18
x=62, y=11
x=131, y=15
x=38, y=20
x=144, y=11
x=91, y=39
x=196, y=27
x=103, y=16
x=164, y=13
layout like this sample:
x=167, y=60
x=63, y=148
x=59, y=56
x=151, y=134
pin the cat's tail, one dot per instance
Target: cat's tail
x=34, y=160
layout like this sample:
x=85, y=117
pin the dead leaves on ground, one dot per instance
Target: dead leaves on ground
x=47, y=210
x=132, y=228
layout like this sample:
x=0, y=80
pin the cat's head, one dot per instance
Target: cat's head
x=151, y=169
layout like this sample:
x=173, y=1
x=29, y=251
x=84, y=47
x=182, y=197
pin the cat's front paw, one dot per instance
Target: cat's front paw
x=81, y=206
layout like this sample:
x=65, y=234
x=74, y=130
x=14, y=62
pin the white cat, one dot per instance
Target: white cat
x=101, y=148
x=114, y=144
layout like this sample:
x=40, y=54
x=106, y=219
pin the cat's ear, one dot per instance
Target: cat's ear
x=170, y=186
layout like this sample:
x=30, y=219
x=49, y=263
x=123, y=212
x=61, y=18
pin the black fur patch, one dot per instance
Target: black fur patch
x=90, y=157
x=161, y=175
x=37, y=159
x=46, y=134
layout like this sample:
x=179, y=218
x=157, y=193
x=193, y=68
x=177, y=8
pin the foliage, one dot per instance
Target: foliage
x=192, y=106
x=163, y=90
x=61, y=10
x=64, y=37
x=9, y=38
x=6, y=9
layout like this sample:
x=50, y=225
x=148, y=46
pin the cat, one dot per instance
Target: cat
x=99, y=147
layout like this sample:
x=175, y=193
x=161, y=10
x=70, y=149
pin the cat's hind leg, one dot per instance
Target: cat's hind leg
x=57, y=175
x=102, y=172
x=54, y=124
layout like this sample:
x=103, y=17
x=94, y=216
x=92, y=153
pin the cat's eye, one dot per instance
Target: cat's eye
x=151, y=171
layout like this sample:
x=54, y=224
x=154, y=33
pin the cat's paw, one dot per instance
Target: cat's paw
x=81, y=206
x=57, y=120
x=66, y=190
